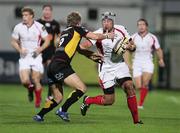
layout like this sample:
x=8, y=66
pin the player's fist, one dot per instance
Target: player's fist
x=110, y=35
x=161, y=63
x=23, y=52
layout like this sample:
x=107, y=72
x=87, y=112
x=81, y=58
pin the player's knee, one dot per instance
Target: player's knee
x=145, y=85
x=35, y=80
x=25, y=82
x=82, y=88
x=109, y=101
x=129, y=88
x=138, y=86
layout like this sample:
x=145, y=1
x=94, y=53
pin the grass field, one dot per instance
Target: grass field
x=160, y=115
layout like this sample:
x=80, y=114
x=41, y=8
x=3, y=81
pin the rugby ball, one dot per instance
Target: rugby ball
x=118, y=50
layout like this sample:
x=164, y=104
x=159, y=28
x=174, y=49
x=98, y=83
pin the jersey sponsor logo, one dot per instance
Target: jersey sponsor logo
x=59, y=76
x=47, y=24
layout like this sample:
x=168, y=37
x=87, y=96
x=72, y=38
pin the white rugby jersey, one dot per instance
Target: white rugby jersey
x=145, y=46
x=107, y=45
x=29, y=38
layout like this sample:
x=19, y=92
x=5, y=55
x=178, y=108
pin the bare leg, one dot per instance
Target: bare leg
x=36, y=77
x=75, y=82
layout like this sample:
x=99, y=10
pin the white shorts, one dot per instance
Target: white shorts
x=108, y=76
x=142, y=66
x=31, y=63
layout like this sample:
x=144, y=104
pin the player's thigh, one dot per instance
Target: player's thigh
x=138, y=81
x=36, y=76
x=74, y=81
x=146, y=77
x=137, y=68
x=24, y=75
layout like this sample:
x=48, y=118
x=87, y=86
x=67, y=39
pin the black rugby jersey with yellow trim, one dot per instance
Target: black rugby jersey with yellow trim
x=69, y=42
x=52, y=27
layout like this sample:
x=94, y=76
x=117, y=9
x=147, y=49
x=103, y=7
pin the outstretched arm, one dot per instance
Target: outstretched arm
x=89, y=54
x=98, y=36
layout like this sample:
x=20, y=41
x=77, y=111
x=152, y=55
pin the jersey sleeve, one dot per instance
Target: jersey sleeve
x=155, y=42
x=43, y=31
x=58, y=28
x=82, y=31
x=15, y=33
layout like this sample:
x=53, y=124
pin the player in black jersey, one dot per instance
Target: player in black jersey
x=53, y=29
x=60, y=70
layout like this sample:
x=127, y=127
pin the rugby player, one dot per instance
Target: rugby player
x=26, y=38
x=110, y=72
x=60, y=70
x=143, y=66
x=53, y=29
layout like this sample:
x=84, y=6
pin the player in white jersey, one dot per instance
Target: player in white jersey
x=112, y=73
x=143, y=66
x=26, y=38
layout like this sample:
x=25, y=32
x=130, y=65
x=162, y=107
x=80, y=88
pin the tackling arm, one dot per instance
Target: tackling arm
x=82, y=49
x=98, y=36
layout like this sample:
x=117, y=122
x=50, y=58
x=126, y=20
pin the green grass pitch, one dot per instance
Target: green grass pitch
x=161, y=114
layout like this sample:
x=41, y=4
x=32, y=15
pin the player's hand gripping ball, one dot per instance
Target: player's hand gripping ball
x=119, y=49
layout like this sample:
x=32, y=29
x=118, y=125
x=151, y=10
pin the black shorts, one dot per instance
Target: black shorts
x=120, y=82
x=58, y=71
x=48, y=53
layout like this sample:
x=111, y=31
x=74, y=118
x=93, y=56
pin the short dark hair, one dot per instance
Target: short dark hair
x=47, y=5
x=73, y=19
x=144, y=20
x=28, y=9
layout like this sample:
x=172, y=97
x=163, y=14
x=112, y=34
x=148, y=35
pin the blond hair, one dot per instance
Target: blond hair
x=28, y=9
x=73, y=19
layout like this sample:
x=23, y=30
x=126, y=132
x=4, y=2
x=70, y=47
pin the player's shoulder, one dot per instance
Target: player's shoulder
x=134, y=34
x=40, y=20
x=120, y=27
x=152, y=35
x=38, y=24
x=18, y=26
x=55, y=22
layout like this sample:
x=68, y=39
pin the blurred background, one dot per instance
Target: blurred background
x=163, y=17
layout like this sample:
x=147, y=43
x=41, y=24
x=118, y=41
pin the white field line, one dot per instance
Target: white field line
x=174, y=99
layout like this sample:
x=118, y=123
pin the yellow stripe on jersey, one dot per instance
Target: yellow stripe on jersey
x=71, y=46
